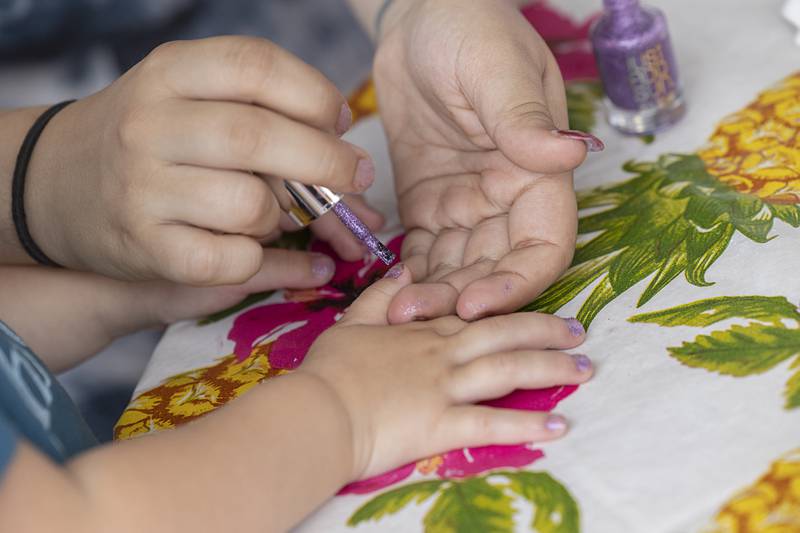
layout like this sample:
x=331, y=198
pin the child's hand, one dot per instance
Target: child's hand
x=408, y=390
x=150, y=178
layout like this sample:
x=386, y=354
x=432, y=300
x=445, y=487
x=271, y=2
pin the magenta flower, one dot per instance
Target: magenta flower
x=294, y=325
x=568, y=40
x=471, y=461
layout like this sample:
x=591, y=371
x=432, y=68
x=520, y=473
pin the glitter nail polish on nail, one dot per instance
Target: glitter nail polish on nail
x=395, y=272
x=555, y=423
x=322, y=266
x=365, y=174
x=576, y=329
x=593, y=144
x=345, y=120
x=582, y=363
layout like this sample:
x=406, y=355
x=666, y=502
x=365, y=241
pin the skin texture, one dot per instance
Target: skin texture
x=484, y=186
x=167, y=173
x=376, y=395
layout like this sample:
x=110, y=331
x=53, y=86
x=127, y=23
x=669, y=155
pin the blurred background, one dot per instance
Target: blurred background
x=52, y=50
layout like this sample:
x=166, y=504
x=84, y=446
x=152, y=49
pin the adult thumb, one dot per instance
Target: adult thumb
x=523, y=109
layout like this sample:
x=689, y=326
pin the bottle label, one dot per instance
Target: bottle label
x=640, y=78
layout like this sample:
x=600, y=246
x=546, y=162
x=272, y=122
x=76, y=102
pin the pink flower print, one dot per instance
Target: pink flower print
x=471, y=461
x=294, y=325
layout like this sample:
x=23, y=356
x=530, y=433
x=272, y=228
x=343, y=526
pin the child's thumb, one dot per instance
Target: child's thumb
x=372, y=306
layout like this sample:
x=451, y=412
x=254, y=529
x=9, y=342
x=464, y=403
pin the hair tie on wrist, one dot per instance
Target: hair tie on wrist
x=18, y=186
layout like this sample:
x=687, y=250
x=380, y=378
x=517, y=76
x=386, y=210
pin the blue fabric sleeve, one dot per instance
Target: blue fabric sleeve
x=8, y=444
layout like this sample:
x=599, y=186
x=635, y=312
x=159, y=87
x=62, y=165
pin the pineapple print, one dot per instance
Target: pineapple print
x=755, y=151
x=184, y=397
x=677, y=215
x=770, y=505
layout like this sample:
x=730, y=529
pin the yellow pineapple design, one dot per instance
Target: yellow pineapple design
x=770, y=505
x=755, y=151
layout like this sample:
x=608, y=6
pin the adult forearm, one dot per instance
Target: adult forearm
x=261, y=463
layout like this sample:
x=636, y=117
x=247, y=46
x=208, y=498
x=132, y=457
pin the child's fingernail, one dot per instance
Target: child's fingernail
x=345, y=119
x=593, y=144
x=322, y=266
x=575, y=327
x=365, y=174
x=555, y=423
x=394, y=272
x=582, y=363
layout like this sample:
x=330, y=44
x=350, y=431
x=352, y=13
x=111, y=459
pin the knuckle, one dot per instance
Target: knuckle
x=245, y=138
x=199, y=265
x=253, y=62
x=506, y=364
x=252, y=204
x=331, y=165
x=484, y=424
x=131, y=128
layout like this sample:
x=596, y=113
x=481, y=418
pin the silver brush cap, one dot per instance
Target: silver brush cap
x=308, y=202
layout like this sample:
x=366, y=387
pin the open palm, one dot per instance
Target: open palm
x=471, y=99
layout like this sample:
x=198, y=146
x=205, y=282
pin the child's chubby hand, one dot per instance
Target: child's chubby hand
x=409, y=390
x=172, y=171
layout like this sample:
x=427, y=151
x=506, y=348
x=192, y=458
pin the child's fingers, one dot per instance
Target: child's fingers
x=291, y=268
x=371, y=307
x=517, y=331
x=478, y=425
x=248, y=69
x=496, y=375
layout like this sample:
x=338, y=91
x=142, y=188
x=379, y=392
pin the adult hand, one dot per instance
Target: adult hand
x=474, y=108
x=166, y=173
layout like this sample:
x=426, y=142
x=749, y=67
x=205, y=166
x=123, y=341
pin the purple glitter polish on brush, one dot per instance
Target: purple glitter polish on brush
x=634, y=55
x=306, y=203
x=362, y=232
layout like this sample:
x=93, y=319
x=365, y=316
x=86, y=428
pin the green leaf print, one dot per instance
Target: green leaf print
x=554, y=509
x=741, y=350
x=768, y=309
x=671, y=218
x=771, y=337
x=392, y=501
x=471, y=506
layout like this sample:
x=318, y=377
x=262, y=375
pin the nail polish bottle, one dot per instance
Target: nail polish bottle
x=634, y=55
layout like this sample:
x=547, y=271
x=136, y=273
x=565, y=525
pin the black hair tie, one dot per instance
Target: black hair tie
x=18, y=186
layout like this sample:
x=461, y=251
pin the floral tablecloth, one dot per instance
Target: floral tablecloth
x=687, y=273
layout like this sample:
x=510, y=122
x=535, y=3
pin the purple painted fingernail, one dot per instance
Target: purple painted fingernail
x=575, y=327
x=582, y=363
x=345, y=119
x=555, y=423
x=395, y=272
x=365, y=174
x=593, y=144
x=322, y=266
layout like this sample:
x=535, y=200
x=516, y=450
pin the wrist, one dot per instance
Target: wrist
x=356, y=451
x=49, y=169
x=392, y=11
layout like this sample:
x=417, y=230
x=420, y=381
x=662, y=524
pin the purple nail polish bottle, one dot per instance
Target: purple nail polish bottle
x=634, y=55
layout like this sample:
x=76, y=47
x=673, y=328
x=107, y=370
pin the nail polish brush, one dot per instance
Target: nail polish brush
x=309, y=202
